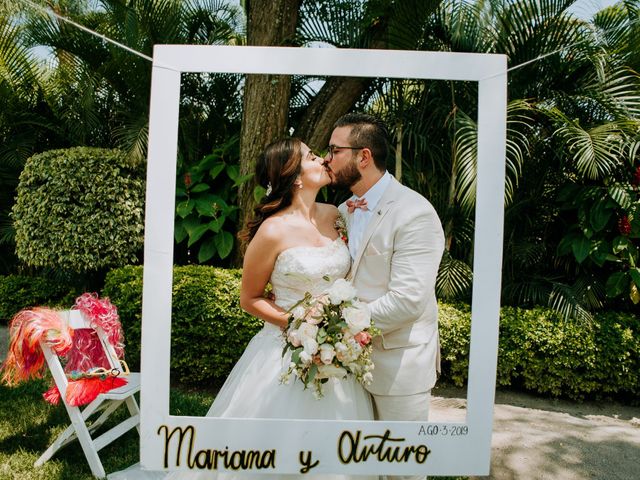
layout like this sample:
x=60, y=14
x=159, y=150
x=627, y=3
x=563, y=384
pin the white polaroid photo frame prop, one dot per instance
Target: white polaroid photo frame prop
x=294, y=446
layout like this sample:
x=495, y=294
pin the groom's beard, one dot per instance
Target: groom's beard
x=346, y=177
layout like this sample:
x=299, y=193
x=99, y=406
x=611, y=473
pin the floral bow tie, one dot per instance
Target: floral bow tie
x=353, y=204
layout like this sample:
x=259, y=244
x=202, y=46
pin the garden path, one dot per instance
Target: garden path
x=544, y=439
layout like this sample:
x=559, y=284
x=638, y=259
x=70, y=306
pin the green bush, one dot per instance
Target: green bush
x=79, y=209
x=22, y=291
x=541, y=352
x=538, y=350
x=455, y=328
x=209, y=330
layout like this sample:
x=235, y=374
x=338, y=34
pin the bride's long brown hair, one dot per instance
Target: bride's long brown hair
x=277, y=167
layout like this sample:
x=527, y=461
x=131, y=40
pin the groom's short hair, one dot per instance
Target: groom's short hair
x=367, y=131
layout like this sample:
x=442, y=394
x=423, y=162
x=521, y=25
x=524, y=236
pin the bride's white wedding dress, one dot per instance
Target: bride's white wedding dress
x=253, y=388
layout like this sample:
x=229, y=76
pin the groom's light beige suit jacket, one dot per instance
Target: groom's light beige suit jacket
x=395, y=272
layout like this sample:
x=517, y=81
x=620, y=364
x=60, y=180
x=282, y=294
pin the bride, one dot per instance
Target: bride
x=292, y=244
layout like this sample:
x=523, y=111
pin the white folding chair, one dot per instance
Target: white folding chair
x=106, y=403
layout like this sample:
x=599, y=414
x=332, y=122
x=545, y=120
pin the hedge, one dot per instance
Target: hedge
x=544, y=353
x=21, y=291
x=538, y=350
x=209, y=330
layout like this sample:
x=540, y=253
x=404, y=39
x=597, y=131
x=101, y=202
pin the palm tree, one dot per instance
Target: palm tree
x=25, y=124
x=573, y=114
x=100, y=92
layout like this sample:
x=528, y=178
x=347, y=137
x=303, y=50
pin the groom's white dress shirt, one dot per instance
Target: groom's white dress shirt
x=362, y=217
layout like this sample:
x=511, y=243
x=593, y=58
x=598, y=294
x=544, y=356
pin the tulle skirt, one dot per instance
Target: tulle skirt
x=253, y=390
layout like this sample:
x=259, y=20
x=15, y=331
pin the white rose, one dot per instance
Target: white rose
x=310, y=346
x=340, y=347
x=306, y=330
x=347, y=336
x=367, y=378
x=328, y=371
x=341, y=291
x=357, y=317
x=298, y=312
x=327, y=353
x=294, y=338
x=305, y=357
x=341, y=350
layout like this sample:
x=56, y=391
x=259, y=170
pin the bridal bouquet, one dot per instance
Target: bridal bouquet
x=329, y=336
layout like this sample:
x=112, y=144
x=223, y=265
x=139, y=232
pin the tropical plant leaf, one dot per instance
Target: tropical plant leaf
x=224, y=243
x=207, y=251
x=455, y=278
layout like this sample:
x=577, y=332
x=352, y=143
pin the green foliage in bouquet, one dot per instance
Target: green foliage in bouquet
x=209, y=330
x=22, y=291
x=79, y=209
x=542, y=352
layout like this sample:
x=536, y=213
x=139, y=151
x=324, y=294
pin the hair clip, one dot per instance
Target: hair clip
x=269, y=189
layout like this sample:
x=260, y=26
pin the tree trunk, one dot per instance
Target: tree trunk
x=336, y=97
x=266, y=97
x=399, y=150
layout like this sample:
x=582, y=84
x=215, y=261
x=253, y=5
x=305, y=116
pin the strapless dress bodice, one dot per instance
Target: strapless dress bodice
x=308, y=269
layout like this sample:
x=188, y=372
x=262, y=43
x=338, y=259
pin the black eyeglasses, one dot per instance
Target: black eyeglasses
x=331, y=149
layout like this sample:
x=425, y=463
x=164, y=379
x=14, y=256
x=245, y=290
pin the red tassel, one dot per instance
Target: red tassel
x=85, y=390
x=52, y=395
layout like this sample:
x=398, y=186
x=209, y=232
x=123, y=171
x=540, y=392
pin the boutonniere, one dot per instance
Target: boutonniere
x=341, y=227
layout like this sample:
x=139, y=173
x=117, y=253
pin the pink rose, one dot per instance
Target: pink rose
x=294, y=338
x=363, y=338
x=314, y=316
x=324, y=299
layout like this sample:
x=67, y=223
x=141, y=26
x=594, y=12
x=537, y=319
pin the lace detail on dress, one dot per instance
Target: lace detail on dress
x=308, y=269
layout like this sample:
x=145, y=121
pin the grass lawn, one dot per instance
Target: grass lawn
x=28, y=425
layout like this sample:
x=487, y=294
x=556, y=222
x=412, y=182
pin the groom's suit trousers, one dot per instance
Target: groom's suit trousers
x=403, y=407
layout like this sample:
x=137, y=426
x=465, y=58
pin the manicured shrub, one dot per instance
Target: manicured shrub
x=209, y=330
x=542, y=352
x=538, y=350
x=558, y=355
x=21, y=291
x=79, y=209
x=455, y=331
x=618, y=353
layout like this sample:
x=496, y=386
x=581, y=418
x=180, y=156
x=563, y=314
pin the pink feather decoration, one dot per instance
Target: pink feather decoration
x=25, y=359
x=103, y=314
x=86, y=353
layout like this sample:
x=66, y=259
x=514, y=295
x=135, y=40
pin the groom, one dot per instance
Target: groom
x=396, y=242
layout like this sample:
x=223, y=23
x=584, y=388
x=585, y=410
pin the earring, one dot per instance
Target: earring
x=300, y=184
